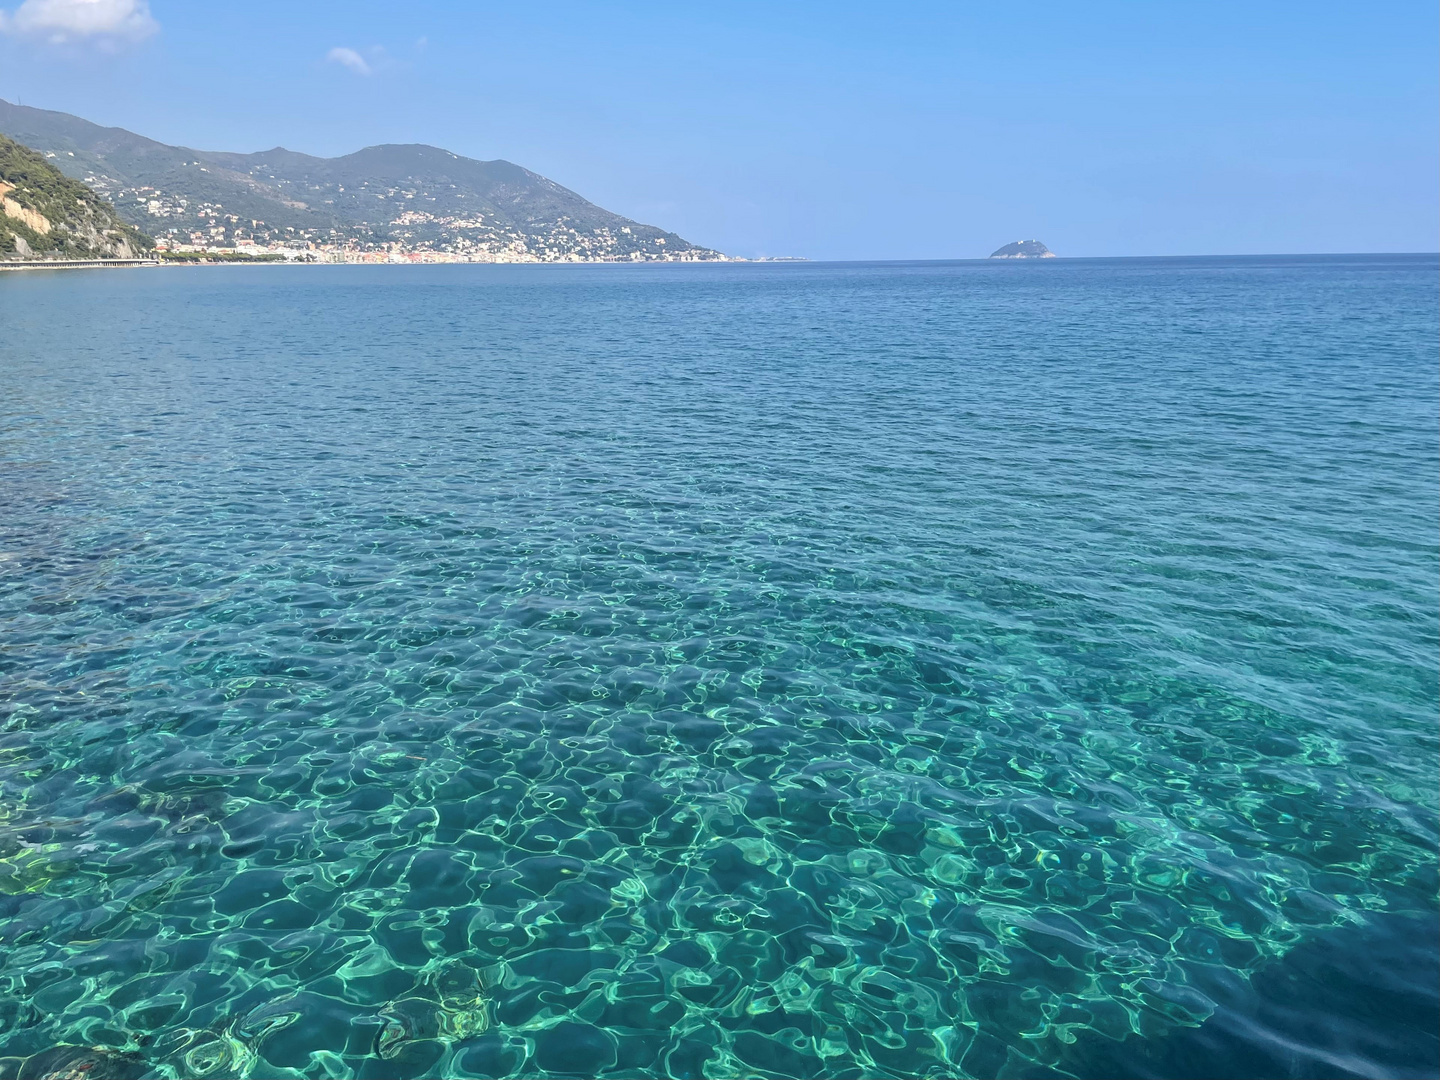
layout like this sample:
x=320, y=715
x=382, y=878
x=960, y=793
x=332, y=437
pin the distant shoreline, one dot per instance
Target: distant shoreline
x=75, y=264
x=99, y=264
x=112, y=264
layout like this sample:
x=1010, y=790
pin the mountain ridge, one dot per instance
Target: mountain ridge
x=389, y=196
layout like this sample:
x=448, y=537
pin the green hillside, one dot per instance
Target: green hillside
x=419, y=196
x=45, y=214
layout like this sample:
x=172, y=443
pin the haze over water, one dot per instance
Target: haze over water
x=855, y=670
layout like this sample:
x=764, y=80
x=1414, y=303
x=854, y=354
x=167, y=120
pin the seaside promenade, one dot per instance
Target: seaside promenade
x=74, y=264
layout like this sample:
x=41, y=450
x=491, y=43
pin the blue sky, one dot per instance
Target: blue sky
x=828, y=130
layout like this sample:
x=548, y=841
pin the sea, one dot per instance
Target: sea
x=856, y=670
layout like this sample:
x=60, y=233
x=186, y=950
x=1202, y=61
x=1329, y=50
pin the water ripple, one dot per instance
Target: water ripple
x=723, y=671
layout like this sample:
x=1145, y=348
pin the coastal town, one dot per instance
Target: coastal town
x=389, y=203
x=196, y=231
x=384, y=203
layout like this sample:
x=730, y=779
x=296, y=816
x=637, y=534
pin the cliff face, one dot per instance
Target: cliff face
x=46, y=215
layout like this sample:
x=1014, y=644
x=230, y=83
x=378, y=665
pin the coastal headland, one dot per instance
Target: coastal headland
x=387, y=204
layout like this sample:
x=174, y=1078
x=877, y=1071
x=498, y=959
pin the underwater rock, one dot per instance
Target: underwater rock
x=210, y=1053
x=458, y=1015
x=66, y=1062
x=405, y=1021
x=26, y=871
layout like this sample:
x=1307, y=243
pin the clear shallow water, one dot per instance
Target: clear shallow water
x=896, y=670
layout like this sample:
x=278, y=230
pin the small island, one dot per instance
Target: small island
x=1024, y=249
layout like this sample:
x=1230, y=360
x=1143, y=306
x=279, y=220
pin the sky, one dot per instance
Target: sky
x=827, y=130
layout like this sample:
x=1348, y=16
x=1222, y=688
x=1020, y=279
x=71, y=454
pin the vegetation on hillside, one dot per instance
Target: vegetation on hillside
x=219, y=256
x=419, y=198
x=46, y=214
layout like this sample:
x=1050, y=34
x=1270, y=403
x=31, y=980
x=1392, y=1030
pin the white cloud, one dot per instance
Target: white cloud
x=60, y=21
x=350, y=58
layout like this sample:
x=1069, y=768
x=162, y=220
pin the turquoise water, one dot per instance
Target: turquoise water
x=790, y=671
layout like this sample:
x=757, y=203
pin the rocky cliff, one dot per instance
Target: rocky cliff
x=44, y=214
